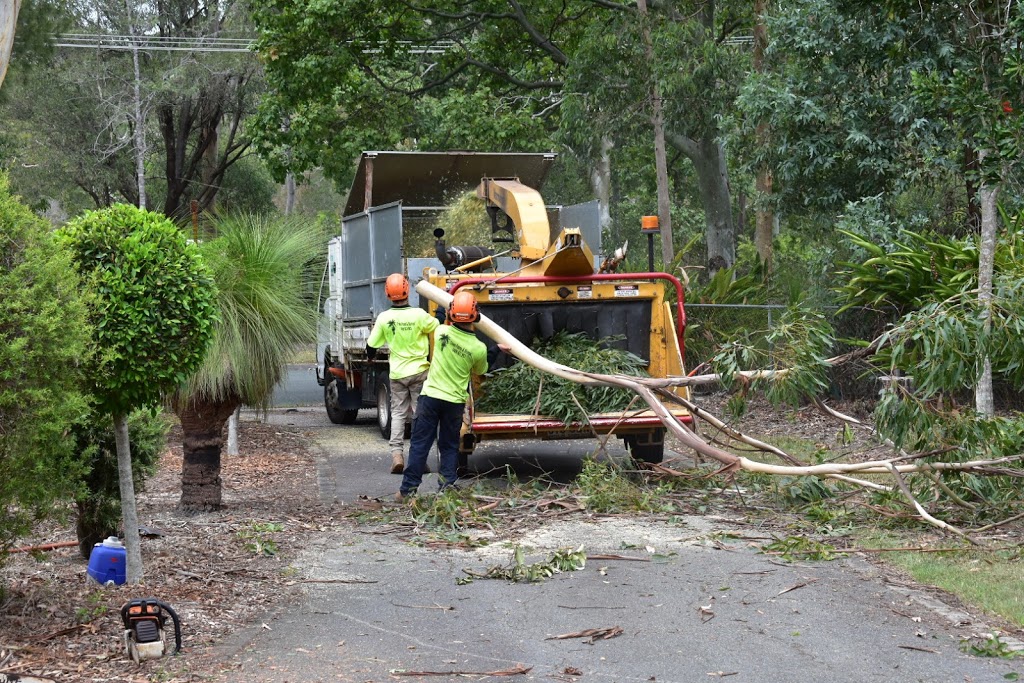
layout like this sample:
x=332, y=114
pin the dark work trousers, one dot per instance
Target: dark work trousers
x=435, y=420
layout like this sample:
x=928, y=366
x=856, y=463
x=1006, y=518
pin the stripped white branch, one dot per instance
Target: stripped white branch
x=697, y=411
x=925, y=515
x=645, y=388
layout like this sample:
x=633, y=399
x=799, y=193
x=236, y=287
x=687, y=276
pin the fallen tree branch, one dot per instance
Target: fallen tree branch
x=925, y=515
x=645, y=388
x=697, y=411
x=994, y=525
x=591, y=634
x=517, y=671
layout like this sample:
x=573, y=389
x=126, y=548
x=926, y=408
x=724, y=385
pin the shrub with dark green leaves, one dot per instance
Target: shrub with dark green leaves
x=43, y=342
x=515, y=389
x=156, y=303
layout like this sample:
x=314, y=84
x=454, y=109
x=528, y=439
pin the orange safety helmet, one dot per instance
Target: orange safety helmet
x=396, y=287
x=463, y=308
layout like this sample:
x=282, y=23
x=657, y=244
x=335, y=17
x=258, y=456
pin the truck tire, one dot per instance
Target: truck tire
x=335, y=413
x=643, y=450
x=384, y=408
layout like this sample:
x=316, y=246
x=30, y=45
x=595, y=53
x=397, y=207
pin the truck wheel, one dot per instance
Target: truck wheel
x=645, y=452
x=335, y=413
x=384, y=408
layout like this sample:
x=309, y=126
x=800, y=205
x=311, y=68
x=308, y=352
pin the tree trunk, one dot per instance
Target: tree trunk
x=764, y=217
x=660, y=157
x=140, y=126
x=289, y=194
x=8, y=22
x=211, y=157
x=764, y=221
x=969, y=172
x=983, y=397
x=202, y=426
x=129, y=514
x=233, y=432
x=713, y=186
x=708, y=159
x=601, y=183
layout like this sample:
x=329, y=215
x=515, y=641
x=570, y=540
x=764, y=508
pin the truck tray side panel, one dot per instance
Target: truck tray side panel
x=372, y=250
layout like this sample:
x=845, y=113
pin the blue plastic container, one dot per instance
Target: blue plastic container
x=108, y=562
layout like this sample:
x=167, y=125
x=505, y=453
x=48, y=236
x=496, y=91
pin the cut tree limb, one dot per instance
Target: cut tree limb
x=647, y=389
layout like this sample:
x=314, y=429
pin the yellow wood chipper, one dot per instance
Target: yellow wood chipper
x=543, y=273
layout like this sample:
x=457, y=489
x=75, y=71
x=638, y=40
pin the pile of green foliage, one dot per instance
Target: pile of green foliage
x=465, y=222
x=518, y=571
x=44, y=339
x=519, y=389
x=603, y=487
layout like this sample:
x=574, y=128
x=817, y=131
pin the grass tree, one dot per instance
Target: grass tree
x=259, y=264
x=44, y=338
x=153, y=320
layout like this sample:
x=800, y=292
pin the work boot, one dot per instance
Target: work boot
x=397, y=462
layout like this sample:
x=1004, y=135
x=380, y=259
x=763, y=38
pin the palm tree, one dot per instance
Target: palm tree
x=259, y=265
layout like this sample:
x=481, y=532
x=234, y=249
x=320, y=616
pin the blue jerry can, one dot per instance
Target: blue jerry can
x=108, y=562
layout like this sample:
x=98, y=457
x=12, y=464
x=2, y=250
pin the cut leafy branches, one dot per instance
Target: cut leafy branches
x=523, y=389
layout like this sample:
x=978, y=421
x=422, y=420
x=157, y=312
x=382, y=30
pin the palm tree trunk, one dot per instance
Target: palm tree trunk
x=202, y=426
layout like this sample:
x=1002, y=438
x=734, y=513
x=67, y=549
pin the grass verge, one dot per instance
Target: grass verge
x=989, y=580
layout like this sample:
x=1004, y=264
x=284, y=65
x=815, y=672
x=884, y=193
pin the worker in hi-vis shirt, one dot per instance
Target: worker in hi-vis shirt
x=458, y=356
x=406, y=332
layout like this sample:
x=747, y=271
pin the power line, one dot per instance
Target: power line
x=213, y=44
x=123, y=42
x=167, y=43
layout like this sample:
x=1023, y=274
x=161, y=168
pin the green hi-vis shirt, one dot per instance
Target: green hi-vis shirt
x=406, y=331
x=457, y=356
